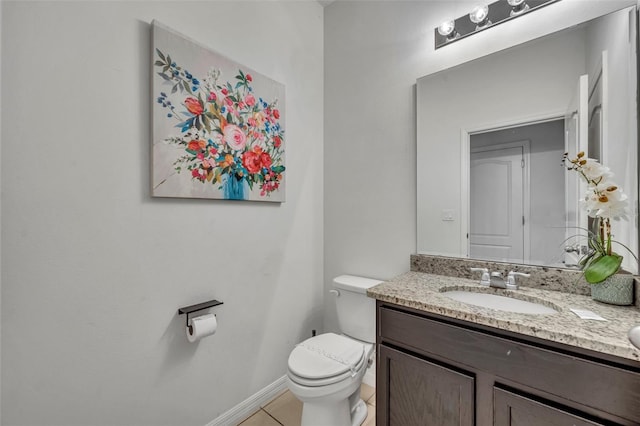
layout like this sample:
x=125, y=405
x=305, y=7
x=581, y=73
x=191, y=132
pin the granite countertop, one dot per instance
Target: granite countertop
x=423, y=291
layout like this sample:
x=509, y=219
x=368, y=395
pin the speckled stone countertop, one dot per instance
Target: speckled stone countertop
x=424, y=292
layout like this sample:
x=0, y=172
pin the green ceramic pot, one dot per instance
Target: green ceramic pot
x=615, y=290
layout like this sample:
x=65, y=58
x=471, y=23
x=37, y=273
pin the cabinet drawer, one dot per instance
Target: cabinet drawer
x=589, y=383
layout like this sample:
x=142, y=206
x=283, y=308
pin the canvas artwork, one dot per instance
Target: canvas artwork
x=218, y=126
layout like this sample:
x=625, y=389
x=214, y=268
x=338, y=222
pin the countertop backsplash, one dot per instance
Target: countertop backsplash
x=542, y=277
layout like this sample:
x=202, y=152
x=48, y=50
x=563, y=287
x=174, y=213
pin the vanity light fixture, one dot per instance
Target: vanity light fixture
x=483, y=17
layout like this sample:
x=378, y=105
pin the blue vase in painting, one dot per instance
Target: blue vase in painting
x=234, y=187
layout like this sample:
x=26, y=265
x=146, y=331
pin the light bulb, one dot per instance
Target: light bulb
x=518, y=6
x=479, y=15
x=447, y=29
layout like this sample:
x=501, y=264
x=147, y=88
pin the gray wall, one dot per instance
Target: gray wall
x=94, y=269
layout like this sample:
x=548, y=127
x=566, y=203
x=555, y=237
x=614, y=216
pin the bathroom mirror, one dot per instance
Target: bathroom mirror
x=490, y=139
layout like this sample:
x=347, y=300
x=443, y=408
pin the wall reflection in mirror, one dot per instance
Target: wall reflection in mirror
x=491, y=134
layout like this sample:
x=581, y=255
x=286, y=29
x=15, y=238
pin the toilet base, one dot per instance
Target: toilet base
x=337, y=413
x=359, y=413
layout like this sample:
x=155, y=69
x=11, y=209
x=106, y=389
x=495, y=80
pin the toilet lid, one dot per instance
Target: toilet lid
x=325, y=355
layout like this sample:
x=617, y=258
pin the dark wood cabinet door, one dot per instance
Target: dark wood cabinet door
x=420, y=393
x=511, y=409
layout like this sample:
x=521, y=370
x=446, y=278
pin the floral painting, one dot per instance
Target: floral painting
x=218, y=126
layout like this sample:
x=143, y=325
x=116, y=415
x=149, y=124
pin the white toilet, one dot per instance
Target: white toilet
x=325, y=372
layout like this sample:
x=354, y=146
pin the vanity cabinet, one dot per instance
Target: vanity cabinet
x=434, y=370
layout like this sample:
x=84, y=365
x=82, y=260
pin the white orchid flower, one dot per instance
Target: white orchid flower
x=594, y=171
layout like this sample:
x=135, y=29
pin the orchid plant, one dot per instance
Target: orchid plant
x=604, y=200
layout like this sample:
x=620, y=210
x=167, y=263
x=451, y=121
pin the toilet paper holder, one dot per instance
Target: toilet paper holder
x=198, y=307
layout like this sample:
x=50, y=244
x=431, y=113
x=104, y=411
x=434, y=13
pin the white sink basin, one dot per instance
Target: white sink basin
x=501, y=303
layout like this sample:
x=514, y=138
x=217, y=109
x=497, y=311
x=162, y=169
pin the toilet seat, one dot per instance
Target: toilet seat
x=326, y=359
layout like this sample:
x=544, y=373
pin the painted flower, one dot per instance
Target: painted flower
x=227, y=161
x=195, y=173
x=248, y=77
x=276, y=114
x=196, y=145
x=277, y=141
x=194, y=106
x=265, y=159
x=259, y=118
x=234, y=137
x=251, y=160
x=250, y=100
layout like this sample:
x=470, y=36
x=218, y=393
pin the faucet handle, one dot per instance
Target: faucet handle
x=511, y=279
x=484, y=279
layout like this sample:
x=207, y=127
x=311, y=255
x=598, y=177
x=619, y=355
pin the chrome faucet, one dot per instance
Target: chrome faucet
x=484, y=279
x=511, y=279
x=496, y=280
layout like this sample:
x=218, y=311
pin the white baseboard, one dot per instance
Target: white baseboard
x=243, y=410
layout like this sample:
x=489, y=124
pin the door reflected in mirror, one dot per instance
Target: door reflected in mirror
x=517, y=192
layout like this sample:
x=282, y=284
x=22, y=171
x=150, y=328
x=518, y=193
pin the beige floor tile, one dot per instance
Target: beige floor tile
x=286, y=408
x=372, y=400
x=260, y=418
x=371, y=416
x=366, y=391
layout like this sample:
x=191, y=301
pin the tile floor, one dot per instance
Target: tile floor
x=286, y=410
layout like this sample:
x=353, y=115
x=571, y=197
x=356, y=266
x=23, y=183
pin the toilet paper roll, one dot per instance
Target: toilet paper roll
x=202, y=326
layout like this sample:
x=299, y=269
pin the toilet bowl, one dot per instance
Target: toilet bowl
x=325, y=371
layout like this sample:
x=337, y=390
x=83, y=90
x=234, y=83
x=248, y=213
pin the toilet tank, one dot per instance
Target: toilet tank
x=356, y=311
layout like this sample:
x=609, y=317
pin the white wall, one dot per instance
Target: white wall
x=374, y=52
x=94, y=269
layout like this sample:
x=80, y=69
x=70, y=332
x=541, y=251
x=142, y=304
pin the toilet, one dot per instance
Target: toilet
x=325, y=371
